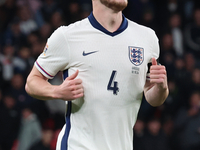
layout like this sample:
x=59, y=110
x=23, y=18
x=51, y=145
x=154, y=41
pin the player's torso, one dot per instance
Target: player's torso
x=113, y=65
x=113, y=70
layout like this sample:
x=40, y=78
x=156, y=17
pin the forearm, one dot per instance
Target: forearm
x=156, y=96
x=39, y=88
x=156, y=89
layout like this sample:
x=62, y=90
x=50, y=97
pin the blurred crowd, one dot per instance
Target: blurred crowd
x=30, y=124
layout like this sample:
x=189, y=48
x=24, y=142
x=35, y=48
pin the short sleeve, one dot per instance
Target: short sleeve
x=55, y=56
x=155, y=51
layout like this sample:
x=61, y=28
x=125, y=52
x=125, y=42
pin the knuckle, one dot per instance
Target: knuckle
x=69, y=83
x=163, y=76
x=80, y=81
x=72, y=88
x=74, y=93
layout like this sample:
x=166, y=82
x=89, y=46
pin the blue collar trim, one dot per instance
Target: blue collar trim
x=98, y=26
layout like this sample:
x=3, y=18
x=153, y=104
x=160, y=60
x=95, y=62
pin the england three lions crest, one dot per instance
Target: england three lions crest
x=136, y=55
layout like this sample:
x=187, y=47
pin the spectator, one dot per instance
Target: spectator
x=34, y=7
x=173, y=101
x=48, y=8
x=9, y=122
x=195, y=81
x=139, y=133
x=33, y=38
x=138, y=8
x=85, y=10
x=192, y=34
x=168, y=128
x=7, y=13
x=74, y=12
x=167, y=54
x=1, y=99
x=54, y=140
x=190, y=62
x=30, y=131
x=180, y=73
x=177, y=35
x=27, y=23
x=45, y=31
x=155, y=139
x=18, y=91
x=13, y=35
x=45, y=142
x=10, y=64
x=188, y=7
x=27, y=60
x=57, y=20
x=7, y=61
x=1, y=75
x=148, y=19
x=187, y=123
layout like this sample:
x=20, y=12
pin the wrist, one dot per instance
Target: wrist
x=55, y=92
x=162, y=87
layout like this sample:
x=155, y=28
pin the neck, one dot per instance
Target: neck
x=108, y=18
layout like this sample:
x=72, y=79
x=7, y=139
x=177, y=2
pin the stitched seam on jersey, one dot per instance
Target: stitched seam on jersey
x=67, y=46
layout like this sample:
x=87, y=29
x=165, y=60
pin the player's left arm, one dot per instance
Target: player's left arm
x=156, y=89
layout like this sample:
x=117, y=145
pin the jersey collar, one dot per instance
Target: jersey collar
x=98, y=26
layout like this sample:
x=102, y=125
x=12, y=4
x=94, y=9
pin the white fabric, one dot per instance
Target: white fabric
x=101, y=120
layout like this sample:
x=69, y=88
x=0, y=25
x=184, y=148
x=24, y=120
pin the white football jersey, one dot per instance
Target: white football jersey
x=113, y=68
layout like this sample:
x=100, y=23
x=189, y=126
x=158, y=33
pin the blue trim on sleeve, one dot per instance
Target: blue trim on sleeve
x=64, y=142
x=98, y=26
x=44, y=70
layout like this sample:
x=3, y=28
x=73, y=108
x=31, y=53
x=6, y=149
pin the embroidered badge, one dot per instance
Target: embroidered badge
x=136, y=55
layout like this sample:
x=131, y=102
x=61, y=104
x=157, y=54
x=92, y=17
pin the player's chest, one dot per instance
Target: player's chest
x=110, y=53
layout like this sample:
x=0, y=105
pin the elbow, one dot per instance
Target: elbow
x=157, y=104
x=26, y=88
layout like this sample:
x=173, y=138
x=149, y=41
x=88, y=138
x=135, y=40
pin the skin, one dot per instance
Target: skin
x=109, y=15
x=156, y=90
x=70, y=89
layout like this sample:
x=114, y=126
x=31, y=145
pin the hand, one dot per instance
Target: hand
x=71, y=88
x=158, y=75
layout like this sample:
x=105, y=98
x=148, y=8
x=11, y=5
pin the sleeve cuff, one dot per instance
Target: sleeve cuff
x=46, y=74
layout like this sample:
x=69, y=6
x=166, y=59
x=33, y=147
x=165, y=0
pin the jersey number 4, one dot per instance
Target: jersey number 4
x=113, y=85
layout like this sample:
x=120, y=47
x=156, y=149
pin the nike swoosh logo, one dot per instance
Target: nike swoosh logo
x=85, y=54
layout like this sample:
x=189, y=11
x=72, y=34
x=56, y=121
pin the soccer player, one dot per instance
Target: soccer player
x=104, y=59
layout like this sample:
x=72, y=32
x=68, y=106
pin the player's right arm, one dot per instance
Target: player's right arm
x=37, y=86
